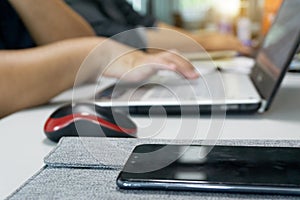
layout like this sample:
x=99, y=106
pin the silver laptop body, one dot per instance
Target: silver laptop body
x=229, y=91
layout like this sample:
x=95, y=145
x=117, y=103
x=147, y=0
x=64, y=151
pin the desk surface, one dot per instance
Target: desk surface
x=23, y=144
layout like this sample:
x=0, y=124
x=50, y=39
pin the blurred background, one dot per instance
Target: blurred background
x=248, y=19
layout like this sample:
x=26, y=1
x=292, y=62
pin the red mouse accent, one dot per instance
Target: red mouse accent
x=54, y=124
x=88, y=120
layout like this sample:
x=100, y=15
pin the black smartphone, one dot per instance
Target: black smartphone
x=273, y=170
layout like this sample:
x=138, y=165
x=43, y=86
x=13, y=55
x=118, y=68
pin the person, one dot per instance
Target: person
x=47, y=45
x=111, y=17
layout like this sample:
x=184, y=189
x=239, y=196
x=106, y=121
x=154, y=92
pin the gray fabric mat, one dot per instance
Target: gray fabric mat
x=112, y=153
x=87, y=168
x=76, y=183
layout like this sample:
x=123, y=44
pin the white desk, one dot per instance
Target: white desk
x=23, y=144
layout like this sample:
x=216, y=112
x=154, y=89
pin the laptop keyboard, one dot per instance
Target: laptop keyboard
x=179, y=89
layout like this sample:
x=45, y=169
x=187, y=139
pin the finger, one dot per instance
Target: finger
x=248, y=51
x=177, y=63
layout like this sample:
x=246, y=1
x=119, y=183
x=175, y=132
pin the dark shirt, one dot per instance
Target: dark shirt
x=111, y=17
x=13, y=34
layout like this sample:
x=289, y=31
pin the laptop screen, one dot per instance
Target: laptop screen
x=277, y=50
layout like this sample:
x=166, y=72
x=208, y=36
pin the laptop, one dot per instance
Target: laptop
x=218, y=90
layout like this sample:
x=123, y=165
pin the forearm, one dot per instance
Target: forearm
x=32, y=77
x=207, y=41
x=50, y=21
x=200, y=39
x=170, y=37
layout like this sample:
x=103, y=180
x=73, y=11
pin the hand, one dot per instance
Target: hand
x=138, y=66
x=217, y=41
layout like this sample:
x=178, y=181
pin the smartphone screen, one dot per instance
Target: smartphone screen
x=213, y=168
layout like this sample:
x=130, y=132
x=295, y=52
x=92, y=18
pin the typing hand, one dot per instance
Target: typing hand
x=138, y=66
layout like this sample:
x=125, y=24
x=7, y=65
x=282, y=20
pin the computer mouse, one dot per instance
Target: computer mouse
x=88, y=120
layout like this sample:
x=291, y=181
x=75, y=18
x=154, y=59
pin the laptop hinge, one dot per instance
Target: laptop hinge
x=263, y=106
